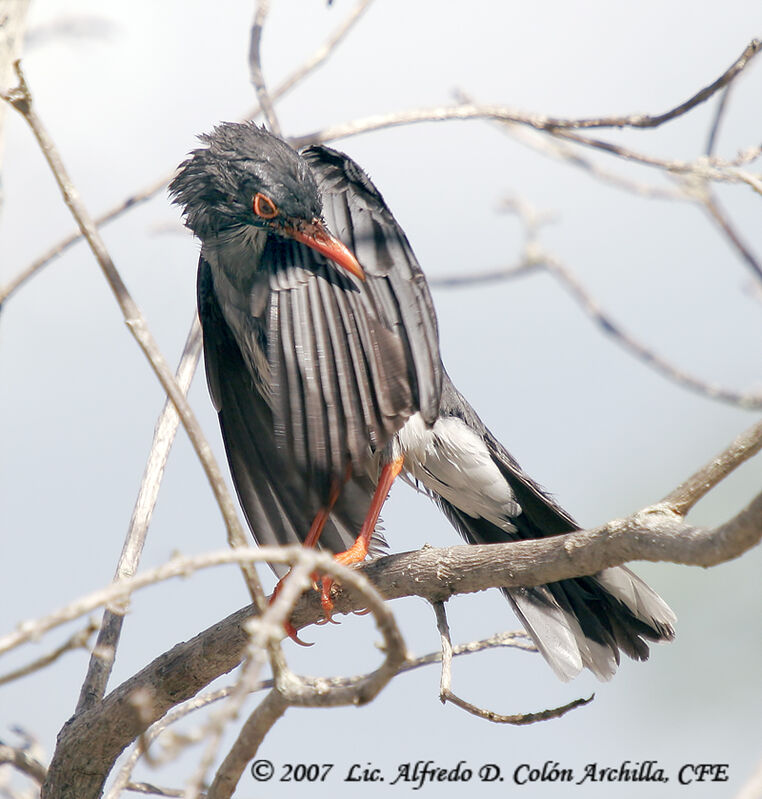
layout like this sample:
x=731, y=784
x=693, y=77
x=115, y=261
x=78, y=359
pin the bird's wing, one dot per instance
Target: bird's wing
x=350, y=361
x=396, y=286
x=274, y=497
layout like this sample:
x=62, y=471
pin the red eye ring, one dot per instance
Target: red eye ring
x=264, y=207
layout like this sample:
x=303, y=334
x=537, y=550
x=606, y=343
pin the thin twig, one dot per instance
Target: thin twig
x=141, y=748
x=537, y=259
x=261, y=630
x=23, y=761
x=253, y=732
x=646, y=121
x=538, y=121
x=255, y=67
x=21, y=99
x=698, y=485
x=508, y=639
x=719, y=114
x=568, y=154
x=704, y=168
x=612, y=328
x=155, y=790
x=518, y=719
x=102, y=659
x=446, y=694
x=485, y=276
x=712, y=169
x=712, y=206
x=119, y=592
x=134, y=200
x=560, y=150
x=80, y=640
x=445, y=677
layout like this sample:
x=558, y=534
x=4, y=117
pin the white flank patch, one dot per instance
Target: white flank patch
x=451, y=460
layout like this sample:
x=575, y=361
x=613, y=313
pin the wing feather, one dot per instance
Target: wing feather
x=278, y=504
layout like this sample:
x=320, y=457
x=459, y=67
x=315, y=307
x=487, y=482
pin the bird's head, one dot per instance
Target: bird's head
x=247, y=177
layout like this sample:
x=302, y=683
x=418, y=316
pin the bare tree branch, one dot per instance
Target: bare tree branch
x=649, y=356
x=79, y=640
x=21, y=760
x=154, y=790
x=247, y=743
x=144, y=702
x=699, y=484
x=508, y=639
x=717, y=215
x=102, y=659
x=100, y=734
x=446, y=694
x=704, y=168
x=519, y=719
x=717, y=121
x=535, y=259
x=255, y=67
x=148, y=193
x=538, y=121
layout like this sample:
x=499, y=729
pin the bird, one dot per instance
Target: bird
x=321, y=348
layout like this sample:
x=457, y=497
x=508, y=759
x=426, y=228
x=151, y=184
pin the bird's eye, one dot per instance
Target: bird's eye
x=264, y=207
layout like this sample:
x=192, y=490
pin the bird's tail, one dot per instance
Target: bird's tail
x=583, y=622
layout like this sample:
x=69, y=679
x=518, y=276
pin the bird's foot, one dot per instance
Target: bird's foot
x=355, y=554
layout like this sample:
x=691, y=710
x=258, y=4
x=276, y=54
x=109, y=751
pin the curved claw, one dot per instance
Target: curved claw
x=292, y=634
x=363, y=612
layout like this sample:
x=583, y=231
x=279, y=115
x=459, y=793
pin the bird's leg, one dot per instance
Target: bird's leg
x=313, y=536
x=358, y=551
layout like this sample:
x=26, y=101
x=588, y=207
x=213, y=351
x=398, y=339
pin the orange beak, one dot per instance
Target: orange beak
x=315, y=234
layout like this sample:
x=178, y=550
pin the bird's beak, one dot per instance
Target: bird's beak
x=315, y=234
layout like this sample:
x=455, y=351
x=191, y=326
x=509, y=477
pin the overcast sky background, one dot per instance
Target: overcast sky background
x=601, y=430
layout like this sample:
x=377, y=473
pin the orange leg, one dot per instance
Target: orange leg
x=313, y=536
x=358, y=551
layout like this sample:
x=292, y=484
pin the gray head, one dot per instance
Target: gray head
x=246, y=176
x=218, y=183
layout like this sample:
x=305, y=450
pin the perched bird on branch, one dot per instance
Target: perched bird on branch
x=322, y=359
